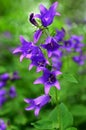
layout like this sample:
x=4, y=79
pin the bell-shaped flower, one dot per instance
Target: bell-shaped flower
x=37, y=103
x=25, y=48
x=47, y=15
x=48, y=79
x=51, y=46
x=2, y=125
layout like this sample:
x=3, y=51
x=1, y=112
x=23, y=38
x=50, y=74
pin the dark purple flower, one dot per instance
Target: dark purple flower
x=39, y=61
x=2, y=97
x=37, y=35
x=25, y=49
x=2, y=84
x=12, y=92
x=32, y=20
x=68, y=45
x=60, y=34
x=79, y=59
x=77, y=42
x=4, y=76
x=47, y=15
x=15, y=76
x=56, y=61
x=37, y=103
x=2, y=125
x=51, y=46
x=49, y=80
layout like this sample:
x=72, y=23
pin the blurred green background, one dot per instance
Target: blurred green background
x=13, y=23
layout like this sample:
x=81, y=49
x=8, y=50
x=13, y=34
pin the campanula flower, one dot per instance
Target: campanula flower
x=77, y=42
x=37, y=103
x=4, y=76
x=2, y=96
x=32, y=19
x=47, y=15
x=24, y=49
x=12, y=92
x=79, y=59
x=2, y=125
x=60, y=34
x=2, y=84
x=39, y=61
x=14, y=76
x=51, y=46
x=48, y=79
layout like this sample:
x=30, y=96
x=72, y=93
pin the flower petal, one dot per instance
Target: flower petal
x=38, y=81
x=36, y=112
x=43, y=10
x=57, y=85
x=37, y=35
x=47, y=88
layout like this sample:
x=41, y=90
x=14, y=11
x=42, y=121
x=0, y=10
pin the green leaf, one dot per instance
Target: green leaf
x=69, y=77
x=65, y=118
x=79, y=110
x=71, y=128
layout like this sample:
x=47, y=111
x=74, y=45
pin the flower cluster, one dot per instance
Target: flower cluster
x=56, y=47
x=2, y=125
x=11, y=93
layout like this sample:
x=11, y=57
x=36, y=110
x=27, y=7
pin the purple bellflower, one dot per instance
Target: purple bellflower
x=68, y=45
x=2, y=97
x=4, y=76
x=2, y=84
x=49, y=80
x=47, y=15
x=37, y=103
x=32, y=20
x=51, y=46
x=24, y=49
x=56, y=61
x=12, y=92
x=60, y=34
x=2, y=125
x=80, y=59
x=39, y=61
x=77, y=42
x=14, y=76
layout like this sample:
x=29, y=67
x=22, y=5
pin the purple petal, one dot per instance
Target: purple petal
x=57, y=73
x=36, y=112
x=17, y=50
x=57, y=85
x=31, y=66
x=43, y=10
x=53, y=6
x=29, y=108
x=21, y=57
x=38, y=81
x=47, y=88
x=37, y=35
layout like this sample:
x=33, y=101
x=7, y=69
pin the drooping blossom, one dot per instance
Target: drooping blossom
x=77, y=42
x=80, y=59
x=60, y=34
x=37, y=35
x=12, y=92
x=48, y=79
x=37, y=103
x=39, y=61
x=3, y=98
x=4, y=76
x=2, y=125
x=47, y=15
x=32, y=20
x=24, y=49
x=51, y=46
